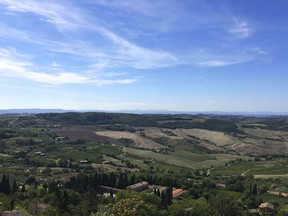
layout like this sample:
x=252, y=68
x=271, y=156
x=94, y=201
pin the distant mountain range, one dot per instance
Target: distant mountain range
x=32, y=111
x=37, y=111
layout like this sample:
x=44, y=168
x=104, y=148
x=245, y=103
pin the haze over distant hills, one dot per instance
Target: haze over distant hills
x=32, y=111
x=138, y=111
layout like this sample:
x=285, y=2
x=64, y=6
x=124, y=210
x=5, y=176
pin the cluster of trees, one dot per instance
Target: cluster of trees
x=165, y=196
x=82, y=182
x=124, y=121
x=98, y=118
x=80, y=195
x=270, y=123
x=142, y=204
x=6, y=187
x=209, y=124
x=86, y=182
x=6, y=133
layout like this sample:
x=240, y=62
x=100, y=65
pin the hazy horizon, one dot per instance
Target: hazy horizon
x=141, y=111
x=188, y=56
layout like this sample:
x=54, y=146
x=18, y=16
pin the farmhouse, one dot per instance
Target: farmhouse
x=221, y=186
x=84, y=162
x=145, y=187
x=60, y=139
x=265, y=208
x=141, y=186
x=108, y=190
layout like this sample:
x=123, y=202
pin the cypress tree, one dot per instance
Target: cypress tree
x=23, y=189
x=8, y=190
x=125, y=181
x=45, y=186
x=254, y=189
x=121, y=181
x=64, y=201
x=154, y=191
x=95, y=181
x=164, y=200
x=158, y=193
x=11, y=204
x=5, y=186
x=133, y=179
x=14, y=187
x=112, y=180
x=169, y=194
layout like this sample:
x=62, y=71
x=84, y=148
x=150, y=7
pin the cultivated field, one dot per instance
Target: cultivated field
x=218, y=138
x=257, y=168
x=262, y=133
x=180, y=158
x=255, y=141
x=140, y=141
x=77, y=132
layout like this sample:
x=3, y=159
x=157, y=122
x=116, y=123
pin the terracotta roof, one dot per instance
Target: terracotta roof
x=177, y=191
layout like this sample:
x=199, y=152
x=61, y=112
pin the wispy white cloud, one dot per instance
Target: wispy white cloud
x=20, y=70
x=13, y=66
x=9, y=33
x=259, y=50
x=142, y=7
x=172, y=15
x=137, y=56
x=208, y=59
x=68, y=18
x=241, y=29
x=117, y=51
x=160, y=16
x=200, y=17
x=221, y=63
x=121, y=54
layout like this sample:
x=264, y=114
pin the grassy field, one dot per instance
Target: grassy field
x=271, y=176
x=5, y=155
x=256, y=140
x=262, y=133
x=140, y=142
x=261, y=168
x=92, y=153
x=219, y=138
x=179, y=158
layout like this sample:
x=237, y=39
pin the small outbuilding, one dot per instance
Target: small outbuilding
x=141, y=186
x=265, y=208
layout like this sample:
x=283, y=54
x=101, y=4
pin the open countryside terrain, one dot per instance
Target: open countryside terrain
x=181, y=158
x=260, y=169
x=234, y=157
x=133, y=142
x=139, y=142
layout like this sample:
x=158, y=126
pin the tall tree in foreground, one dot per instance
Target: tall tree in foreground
x=190, y=207
x=225, y=206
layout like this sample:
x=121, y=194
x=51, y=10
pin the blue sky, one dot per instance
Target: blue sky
x=188, y=55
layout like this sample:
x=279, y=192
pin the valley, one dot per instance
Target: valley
x=185, y=151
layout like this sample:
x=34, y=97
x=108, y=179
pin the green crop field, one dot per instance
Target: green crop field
x=180, y=158
x=254, y=167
